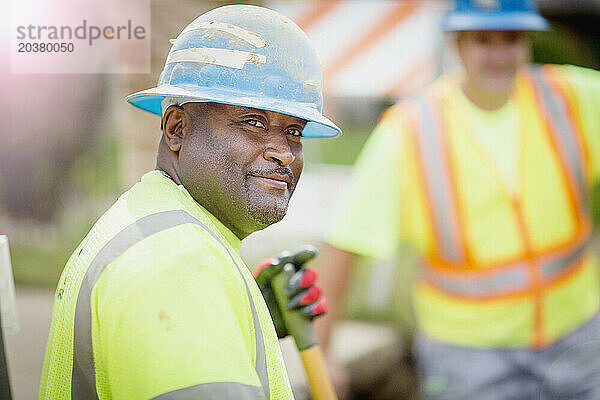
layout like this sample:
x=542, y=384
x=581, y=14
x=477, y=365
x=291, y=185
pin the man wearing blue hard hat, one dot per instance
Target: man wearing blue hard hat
x=156, y=302
x=486, y=174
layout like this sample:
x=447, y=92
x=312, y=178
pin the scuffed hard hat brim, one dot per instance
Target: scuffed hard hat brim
x=317, y=126
x=507, y=21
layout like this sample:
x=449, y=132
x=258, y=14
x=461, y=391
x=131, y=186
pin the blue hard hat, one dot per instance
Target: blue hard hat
x=247, y=56
x=495, y=15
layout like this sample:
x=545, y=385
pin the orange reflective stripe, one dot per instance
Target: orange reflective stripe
x=435, y=168
x=534, y=275
x=471, y=284
x=513, y=278
x=563, y=132
x=554, y=267
x=450, y=269
x=562, y=86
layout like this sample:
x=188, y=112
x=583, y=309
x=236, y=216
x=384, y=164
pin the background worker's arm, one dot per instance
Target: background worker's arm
x=368, y=225
x=336, y=268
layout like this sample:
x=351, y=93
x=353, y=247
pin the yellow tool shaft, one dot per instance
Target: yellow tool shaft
x=316, y=372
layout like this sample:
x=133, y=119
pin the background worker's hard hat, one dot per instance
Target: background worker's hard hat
x=248, y=56
x=494, y=15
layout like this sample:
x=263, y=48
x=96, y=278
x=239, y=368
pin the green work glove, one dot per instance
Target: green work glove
x=302, y=290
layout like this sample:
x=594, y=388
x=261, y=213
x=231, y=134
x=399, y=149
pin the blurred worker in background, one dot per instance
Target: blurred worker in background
x=156, y=301
x=487, y=174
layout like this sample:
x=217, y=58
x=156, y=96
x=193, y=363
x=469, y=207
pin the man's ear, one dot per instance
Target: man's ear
x=174, y=122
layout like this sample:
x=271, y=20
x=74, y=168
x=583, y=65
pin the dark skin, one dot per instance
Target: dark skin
x=241, y=164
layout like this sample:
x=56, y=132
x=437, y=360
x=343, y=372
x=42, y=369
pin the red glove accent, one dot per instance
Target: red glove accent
x=262, y=265
x=311, y=295
x=309, y=278
x=318, y=308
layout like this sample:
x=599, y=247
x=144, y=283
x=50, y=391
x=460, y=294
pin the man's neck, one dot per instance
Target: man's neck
x=170, y=172
x=484, y=99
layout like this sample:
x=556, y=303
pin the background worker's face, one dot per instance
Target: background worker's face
x=241, y=163
x=492, y=58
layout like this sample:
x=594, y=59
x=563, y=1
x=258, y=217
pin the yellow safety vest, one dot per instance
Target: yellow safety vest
x=157, y=303
x=520, y=273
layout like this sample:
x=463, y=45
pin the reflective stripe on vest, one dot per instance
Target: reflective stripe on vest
x=215, y=391
x=504, y=280
x=83, y=384
x=434, y=163
x=435, y=166
x=563, y=132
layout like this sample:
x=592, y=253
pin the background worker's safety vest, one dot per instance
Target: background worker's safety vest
x=504, y=269
x=157, y=303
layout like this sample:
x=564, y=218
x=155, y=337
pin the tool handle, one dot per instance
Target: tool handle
x=316, y=372
x=300, y=327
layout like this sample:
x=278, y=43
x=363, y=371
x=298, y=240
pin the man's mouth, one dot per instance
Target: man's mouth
x=279, y=180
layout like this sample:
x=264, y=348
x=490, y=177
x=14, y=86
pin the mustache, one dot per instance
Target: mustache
x=279, y=170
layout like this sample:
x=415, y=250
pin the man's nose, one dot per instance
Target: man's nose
x=279, y=150
x=502, y=53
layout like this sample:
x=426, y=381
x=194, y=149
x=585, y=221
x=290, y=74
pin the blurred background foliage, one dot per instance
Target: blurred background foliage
x=39, y=252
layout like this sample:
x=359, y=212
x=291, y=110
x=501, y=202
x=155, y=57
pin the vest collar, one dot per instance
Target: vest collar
x=229, y=236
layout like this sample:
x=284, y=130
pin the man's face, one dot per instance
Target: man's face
x=492, y=58
x=240, y=163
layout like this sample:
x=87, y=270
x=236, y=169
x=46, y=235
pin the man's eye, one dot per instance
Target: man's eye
x=255, y=122
x=294, y=132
